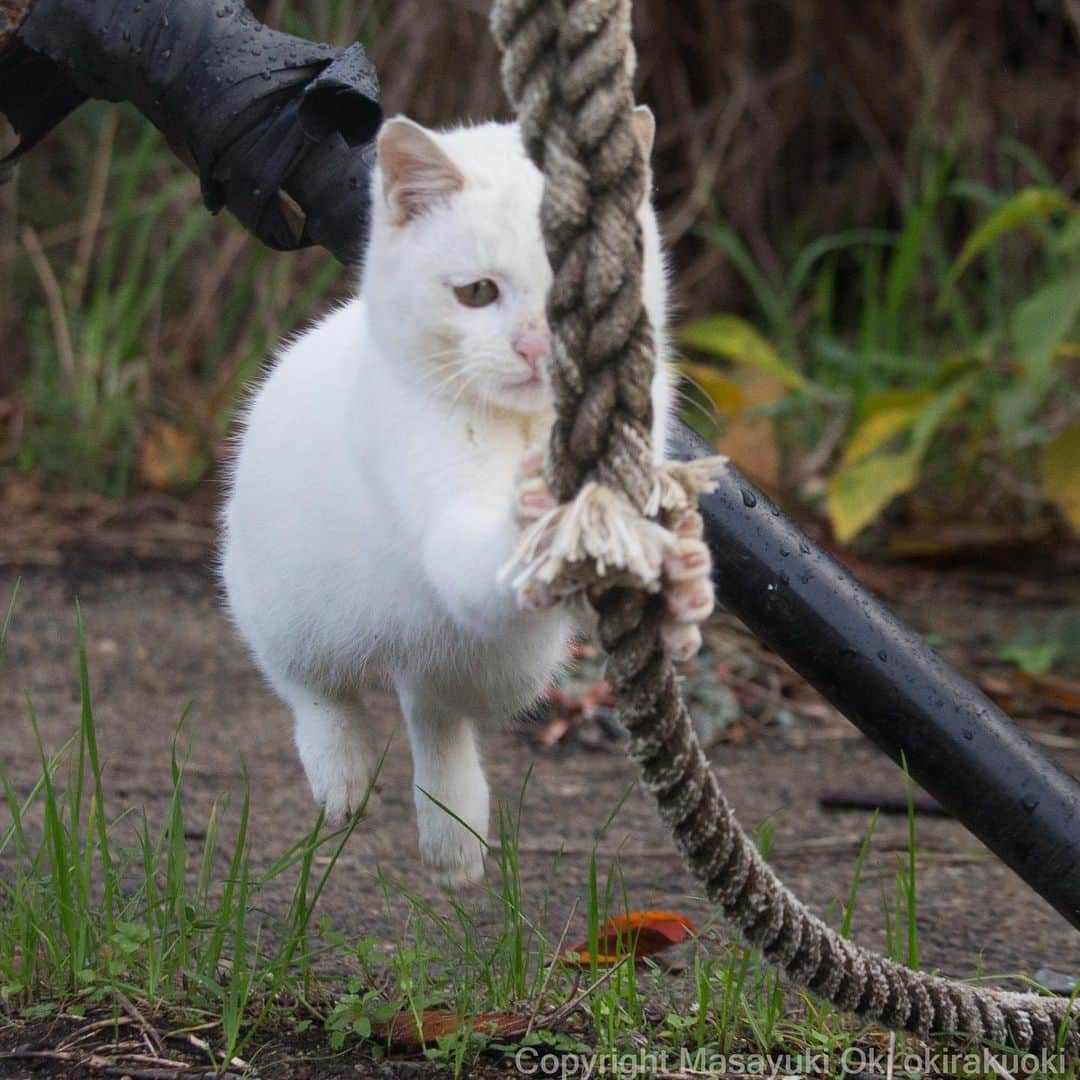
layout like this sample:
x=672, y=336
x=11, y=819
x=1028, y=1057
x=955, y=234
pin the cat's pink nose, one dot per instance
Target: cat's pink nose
x=531, y=344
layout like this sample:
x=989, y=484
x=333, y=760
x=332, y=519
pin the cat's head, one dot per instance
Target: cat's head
x=456, y=275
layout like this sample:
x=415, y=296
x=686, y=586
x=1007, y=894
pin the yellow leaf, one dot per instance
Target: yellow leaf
x=735, y=339
x=726, y=394
x=1061, y=474
x=859, y=492
x=883, y=419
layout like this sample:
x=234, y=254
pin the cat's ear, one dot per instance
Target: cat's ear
x=416, y=173
x=645, y=129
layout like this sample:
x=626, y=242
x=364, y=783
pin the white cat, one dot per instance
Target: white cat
x=376, y=492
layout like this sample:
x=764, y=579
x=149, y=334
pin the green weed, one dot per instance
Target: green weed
x=939, y=356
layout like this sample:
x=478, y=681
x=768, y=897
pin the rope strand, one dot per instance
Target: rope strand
x=567, y=67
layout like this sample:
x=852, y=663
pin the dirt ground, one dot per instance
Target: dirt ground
x=158, y=641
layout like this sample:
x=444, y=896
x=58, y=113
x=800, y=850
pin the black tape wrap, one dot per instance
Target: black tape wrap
x=261, y=116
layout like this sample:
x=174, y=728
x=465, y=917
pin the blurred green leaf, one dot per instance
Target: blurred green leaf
x=1042, y=321
x=1061, y=474
x=1069, y=238
x=1030, y=654
x=1031, y=204
x=736, y=340
x=903, y=267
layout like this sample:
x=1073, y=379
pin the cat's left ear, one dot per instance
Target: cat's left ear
x=645, y=129
x=416, y=172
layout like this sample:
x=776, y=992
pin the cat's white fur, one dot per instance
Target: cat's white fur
x=371, y=502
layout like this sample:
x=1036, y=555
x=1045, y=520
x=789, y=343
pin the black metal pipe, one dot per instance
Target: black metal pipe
x=279, y=131
x=883, y=677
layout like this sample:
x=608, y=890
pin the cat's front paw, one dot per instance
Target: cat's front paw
x=453, y=853
x=341, y=781
x=688, y=589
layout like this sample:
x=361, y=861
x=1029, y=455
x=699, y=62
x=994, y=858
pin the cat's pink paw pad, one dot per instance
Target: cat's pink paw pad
x=532, y=500
x=688, y=560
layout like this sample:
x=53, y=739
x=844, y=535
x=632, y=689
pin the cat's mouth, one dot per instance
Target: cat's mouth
x=530, y=381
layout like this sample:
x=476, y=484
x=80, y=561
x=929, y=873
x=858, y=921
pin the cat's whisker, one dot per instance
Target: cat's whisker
x=712, y=415
x=470, y=380
x=437, y=369
x=446, y=381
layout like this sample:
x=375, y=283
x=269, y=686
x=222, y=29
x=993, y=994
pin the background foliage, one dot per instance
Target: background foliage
x=873, y=220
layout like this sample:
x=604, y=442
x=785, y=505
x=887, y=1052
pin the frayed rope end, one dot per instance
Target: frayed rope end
x=599, y=537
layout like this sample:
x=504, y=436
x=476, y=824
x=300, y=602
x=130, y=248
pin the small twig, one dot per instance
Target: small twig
x=87, y=1030
x=95, y=204
x=554, y=961
x=151, y=1035
x=54, y=299
x=115, y=1066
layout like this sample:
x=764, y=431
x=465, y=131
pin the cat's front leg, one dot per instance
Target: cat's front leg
x=463, y=552
x=449, y=787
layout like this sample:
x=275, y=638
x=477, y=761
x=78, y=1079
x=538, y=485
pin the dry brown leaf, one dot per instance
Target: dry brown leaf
x=750, y=441
x=638, y=934
x=169, y=457
x=401, y=1030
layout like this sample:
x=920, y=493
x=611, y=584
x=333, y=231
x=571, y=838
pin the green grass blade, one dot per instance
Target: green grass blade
x=853, y=891
x=8, y=615
x=88, y=739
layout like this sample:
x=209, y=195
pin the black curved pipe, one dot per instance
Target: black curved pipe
x=279, y=129
x=886, y=680
x=265, y=118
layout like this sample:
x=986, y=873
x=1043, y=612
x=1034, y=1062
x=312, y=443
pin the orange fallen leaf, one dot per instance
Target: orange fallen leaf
x=1055, y=691
x=638, y=934
x=401, y=1029
x=1039, y=691
x=169, y=458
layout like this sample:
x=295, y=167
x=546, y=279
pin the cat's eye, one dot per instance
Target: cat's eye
x=478, y=293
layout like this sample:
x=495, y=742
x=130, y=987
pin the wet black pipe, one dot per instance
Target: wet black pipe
x=279, y=131
x=886, y=680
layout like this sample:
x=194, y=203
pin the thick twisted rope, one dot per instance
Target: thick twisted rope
x=567, y=71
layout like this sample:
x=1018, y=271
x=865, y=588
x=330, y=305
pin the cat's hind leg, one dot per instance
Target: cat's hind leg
x=337, y=746
x=446, y=774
